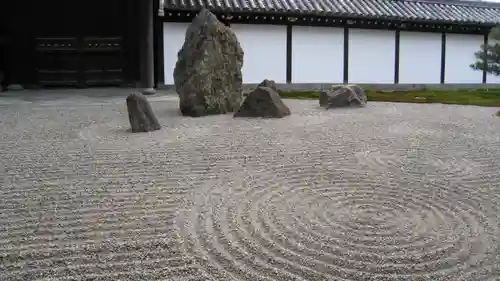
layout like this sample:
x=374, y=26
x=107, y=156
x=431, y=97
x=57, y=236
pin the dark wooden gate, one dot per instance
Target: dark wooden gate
x=80, y=61
x=84, y=43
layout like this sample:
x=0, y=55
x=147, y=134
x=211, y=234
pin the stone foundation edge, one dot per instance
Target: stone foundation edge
x=380, y=87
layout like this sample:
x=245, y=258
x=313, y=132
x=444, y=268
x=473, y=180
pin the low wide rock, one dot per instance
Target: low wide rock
x=343, y=96
x=263, y=102
x=140, y=114
x=207, y=74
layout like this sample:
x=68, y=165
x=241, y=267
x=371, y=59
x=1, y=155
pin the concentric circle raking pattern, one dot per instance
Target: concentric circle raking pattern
x=297, y=223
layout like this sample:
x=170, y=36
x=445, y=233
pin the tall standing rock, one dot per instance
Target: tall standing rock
x=207, y=74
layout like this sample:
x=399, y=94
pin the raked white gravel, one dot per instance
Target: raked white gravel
x=386, y=192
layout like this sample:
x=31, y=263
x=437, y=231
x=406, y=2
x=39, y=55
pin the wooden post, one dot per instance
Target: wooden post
x=147, y=47
x=289, y=62
x=346, y=55
x=443, y=58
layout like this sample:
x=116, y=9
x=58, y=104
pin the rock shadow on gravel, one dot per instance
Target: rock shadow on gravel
x=126, y=131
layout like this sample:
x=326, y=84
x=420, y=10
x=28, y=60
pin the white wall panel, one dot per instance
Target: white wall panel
x=419, y=57
x=371, y=56
x=173, y=38
x=491, y=78
x=317, y=54
x=265, y=52
x=460, y=49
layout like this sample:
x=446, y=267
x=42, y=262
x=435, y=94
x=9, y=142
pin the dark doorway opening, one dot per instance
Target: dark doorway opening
x=81, y=43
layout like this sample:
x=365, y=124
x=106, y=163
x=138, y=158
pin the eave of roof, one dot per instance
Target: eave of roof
x=449, y=11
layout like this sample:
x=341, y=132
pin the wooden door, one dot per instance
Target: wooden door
x=79, y=43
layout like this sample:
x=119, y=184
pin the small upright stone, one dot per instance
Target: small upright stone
x=498, y=113
x=269, y=83
x=263, y=102
x=140, y=114
x=207, y=74
x=343, y=96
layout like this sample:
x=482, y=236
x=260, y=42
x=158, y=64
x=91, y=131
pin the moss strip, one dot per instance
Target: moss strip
x=480, y=97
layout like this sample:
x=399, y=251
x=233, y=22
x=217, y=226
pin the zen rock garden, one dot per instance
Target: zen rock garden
x=233, y=187
x=209, y=81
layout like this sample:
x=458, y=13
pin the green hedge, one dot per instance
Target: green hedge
x=481, y=97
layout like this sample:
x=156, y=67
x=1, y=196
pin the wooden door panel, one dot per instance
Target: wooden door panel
x=81, y=47
x=57, y=61
x=103, y=61
x=88, y=61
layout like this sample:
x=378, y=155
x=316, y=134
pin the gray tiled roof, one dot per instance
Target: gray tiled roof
x=442, y=11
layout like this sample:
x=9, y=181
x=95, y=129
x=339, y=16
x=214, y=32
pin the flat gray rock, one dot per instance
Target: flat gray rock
x=343, y=96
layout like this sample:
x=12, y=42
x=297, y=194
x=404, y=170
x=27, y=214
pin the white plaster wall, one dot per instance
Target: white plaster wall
x=419, y=57
x=265, y=52
x=491, y=78
x=460, y=49
x=173, y=38
x=371, y=56
x=317, y=54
